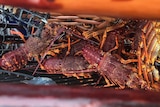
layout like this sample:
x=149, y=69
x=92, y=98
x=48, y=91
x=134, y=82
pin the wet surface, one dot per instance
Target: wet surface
x=104, y=97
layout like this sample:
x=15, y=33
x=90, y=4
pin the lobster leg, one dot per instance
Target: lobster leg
x=126, y=61
x=88, y=34
x=38, y=60
x=107, y=80
x=119, y=57
x=116, y=46
x=69, y=45
x=33, y=31
x=19, y=34
x=108, y=29
x=103, y=39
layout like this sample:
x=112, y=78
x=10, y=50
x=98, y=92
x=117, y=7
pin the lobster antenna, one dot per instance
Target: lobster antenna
x=52, y=42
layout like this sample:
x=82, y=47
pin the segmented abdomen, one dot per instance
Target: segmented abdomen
x=110, y=67
x=92, y=54
x=66, y=65
x=14, y=60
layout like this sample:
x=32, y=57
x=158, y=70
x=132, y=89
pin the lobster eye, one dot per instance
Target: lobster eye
x=127, y=45
x=131, y=35
x=157, y=65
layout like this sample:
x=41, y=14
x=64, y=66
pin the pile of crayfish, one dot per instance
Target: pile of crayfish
x=125, y=52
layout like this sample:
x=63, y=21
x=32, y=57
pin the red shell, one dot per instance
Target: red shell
x=14, y=60
x=68, y=64
x=91, y=54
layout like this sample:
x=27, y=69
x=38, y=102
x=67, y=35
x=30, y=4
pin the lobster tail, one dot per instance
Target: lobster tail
x=91, y=54
x=52, y=65
x=14, y=60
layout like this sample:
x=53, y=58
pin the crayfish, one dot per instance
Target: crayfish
x=137, y=45
x=109, y=67
x=33, y=47
x=95, y=61
x=124, y=54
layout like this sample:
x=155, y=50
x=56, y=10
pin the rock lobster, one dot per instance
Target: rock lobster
x=33, y=47
x=94, y=59
x=143, y=38
x=107, y=65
